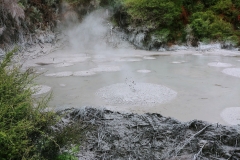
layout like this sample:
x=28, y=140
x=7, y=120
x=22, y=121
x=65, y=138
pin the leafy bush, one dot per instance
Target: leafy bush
x=70, y=155
x=152, y=13
x=208, y=25
x=161, y=35
x=214, y=20
x=24, y=129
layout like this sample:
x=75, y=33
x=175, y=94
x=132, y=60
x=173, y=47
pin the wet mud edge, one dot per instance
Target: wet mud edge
x=151, y=136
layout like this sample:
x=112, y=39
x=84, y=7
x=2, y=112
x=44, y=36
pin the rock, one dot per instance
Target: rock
x=2, y=53
x=162, y=49
x=41, y=39
x=177, y=47
x=227, y=45
x=49, y=38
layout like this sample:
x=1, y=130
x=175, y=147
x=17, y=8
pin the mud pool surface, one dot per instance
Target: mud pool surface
x=203, y=91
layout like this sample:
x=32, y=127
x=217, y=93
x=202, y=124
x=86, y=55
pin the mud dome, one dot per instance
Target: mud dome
x=232, y=72
x=40, y=89
x=231, y=115
x=135, y=94
x=219, y=64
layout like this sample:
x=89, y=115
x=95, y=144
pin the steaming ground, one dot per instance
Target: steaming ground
x=91, y=67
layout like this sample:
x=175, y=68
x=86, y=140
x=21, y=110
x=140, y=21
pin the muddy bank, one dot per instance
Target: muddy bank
x=152, y=136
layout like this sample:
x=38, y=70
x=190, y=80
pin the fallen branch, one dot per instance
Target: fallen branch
x=188, y=140
x=199, y=152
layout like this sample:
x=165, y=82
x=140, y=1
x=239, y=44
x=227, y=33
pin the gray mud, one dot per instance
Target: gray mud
x=122, y=136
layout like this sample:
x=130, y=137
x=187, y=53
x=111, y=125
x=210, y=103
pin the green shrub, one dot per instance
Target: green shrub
x=24, y=129
x=208, y=25
x=232, y=39
x=152, y=13
x=161, y=35
x=70, y=155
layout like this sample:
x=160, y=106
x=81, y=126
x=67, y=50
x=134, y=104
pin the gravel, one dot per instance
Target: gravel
x=232, y=72
x=135, y=94
x=219, y=64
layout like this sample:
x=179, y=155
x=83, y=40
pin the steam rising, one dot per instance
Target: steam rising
x=94, y=33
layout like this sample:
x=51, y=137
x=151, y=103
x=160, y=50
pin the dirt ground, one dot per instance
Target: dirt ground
x=122, y=136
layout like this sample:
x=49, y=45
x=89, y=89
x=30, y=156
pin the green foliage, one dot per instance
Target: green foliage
x=161, y=35
x=193, y=6
x=70, y=155
x=222, y=6
x=208, y=25
x=75, y=2
x=152, y=13
x=236, y=3
x=214, y=20
x=22, y=126
x=232, y=39
x=25, y=130
x=208, y=3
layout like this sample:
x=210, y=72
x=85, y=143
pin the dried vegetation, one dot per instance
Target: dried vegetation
x=152, y=136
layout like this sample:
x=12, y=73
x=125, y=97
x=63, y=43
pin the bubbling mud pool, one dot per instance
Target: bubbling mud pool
x=197, y=88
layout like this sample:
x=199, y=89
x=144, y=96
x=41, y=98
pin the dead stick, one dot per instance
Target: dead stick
x=199, y=152
x=179, y=149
